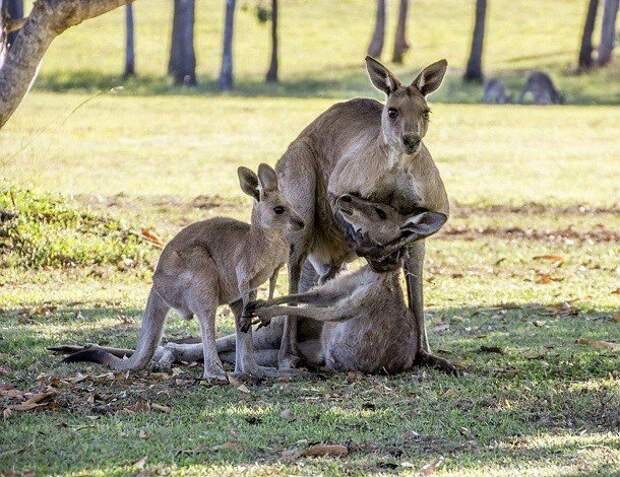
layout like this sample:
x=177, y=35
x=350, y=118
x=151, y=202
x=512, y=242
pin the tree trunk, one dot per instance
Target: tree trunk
x=226, y=81
x=272, y=73
x=401, y=45
x=47, y=20
x=585, y=51
x=376, y=43
x=15, y=9
x=182, y=62
x=473, y=72
x=130, y=51
x=608, y=32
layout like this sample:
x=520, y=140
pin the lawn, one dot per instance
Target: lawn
x=526, y=266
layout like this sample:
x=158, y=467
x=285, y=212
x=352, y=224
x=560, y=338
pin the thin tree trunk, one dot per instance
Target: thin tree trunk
x=272, y=73
x=182, y=62
x=473, y=72
x=15, y=9
x=608, y=32
x=376, y=42
x=130, y=50
x=401, y=45
x=47, y=20
x=585, y=51
x=226, y=80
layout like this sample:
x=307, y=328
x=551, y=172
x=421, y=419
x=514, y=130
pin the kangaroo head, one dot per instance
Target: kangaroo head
x=405, y=116
x=383, y=224
x=271, y=209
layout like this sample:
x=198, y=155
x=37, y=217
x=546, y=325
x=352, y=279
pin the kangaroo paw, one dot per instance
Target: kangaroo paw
x=428, y=359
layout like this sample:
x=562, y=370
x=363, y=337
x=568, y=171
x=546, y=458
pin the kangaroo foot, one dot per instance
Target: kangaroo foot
x=215, y=375
x=428, y=359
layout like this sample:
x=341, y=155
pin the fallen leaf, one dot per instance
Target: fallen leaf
x=616, y=317
x=616, y=291
x=431, y=468
x=140, y=464
x=244, y=389
x=491, y=349
x=142, y=434
x=152, y=238
x=549, y=258
x=160, y=408
x=287, y=415
x=457, y=275
x=322, y=450
x=35, y=401
x=4, y=370
x=538, y=324
x=608, y=345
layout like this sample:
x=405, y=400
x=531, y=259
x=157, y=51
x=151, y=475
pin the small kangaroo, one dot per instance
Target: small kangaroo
x=368, y=326
x=213, y=262
x=543, y=91
x=496, y=93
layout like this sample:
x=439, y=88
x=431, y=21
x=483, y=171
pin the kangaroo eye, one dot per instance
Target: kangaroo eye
x=278, y=209
x=382, y=215
x=426, y=114
x=392, y=113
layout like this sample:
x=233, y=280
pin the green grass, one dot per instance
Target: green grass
x=87, y=169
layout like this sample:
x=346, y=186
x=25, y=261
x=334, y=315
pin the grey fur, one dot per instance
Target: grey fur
x=541, y=87
x=496, y=93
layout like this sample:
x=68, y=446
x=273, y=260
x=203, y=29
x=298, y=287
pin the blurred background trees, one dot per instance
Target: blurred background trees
x=130, y=47
x=473, y=71
x=182, y=63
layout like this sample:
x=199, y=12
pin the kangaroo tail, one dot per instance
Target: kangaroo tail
x=150, y=336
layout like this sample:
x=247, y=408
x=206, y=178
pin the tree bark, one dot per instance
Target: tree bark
x=473, y=72
x=272, y=73
x=376, y=42
x=226, y=80
x=47, y=20
x=585, y=51
x=15, y=9
x=608, y=32
x=401, y=45
x=130, y=51
x=182, y=62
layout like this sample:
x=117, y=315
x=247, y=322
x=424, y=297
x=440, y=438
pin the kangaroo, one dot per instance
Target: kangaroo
x=543, y=91
x=367, y=324
x=496, y=93
x=213, y=262
x=374, y=151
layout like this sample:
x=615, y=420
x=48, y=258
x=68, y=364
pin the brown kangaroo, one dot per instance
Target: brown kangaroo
x=214, y=262
x=375, y=151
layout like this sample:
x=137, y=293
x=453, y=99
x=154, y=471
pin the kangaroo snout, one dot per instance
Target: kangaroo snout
x=411, y=142
x=297, y=223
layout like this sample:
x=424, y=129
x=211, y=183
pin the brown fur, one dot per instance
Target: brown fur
x=356, y=148
x=217, y=261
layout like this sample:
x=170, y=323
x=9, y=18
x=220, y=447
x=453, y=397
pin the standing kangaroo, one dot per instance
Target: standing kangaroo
x=368, y=327
x=375, y=151
x=214, y=262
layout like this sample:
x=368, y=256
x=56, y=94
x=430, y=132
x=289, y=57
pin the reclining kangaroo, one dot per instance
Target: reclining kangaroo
x=367, y=325
x=375, y=151
x=213, y=262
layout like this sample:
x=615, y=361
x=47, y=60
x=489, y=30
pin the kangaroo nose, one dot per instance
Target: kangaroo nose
x=298, y=223
x=411, y=141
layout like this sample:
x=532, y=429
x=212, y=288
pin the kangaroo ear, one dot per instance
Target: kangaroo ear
x=248, y=182
x=424, y=225
x=267, y=177
x=382, y=78
x=430, y=77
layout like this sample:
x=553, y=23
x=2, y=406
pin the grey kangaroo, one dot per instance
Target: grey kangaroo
x=496, y=93
x=367, y=324
x=541, y=87
x=375, y=151
x=213, y=262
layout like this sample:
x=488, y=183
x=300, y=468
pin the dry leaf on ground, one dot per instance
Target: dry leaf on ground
x=160, y=408
x=549, y=258
x=322, y=450
x=151, y=237
x=431, y=468
x=608, y=345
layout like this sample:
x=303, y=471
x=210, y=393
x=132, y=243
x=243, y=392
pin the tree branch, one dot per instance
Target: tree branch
x=47, y=20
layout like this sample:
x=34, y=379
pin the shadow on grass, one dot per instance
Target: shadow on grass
x=347, y=82
x=540, y=384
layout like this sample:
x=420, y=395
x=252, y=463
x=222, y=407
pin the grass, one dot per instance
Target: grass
x=527, y=264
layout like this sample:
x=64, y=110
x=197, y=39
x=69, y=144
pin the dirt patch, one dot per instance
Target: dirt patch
x=568, y=235
x=532, y=208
